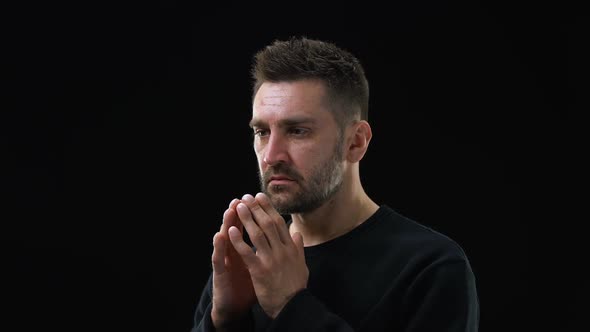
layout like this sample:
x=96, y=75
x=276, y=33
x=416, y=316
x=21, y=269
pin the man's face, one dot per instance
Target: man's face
x=298, y=145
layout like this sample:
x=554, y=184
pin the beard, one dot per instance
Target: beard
x=324, y=181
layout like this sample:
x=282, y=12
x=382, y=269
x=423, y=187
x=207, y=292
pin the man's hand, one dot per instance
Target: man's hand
x=233, y=293
x=277, y=268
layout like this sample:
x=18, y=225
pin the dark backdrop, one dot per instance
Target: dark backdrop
x=125, y=135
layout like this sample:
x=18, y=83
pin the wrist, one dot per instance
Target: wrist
x=225, y=322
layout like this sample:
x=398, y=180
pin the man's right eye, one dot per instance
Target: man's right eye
x=260, y=132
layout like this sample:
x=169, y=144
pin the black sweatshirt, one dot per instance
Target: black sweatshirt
x=388, y=274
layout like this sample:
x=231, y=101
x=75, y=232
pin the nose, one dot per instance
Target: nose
x=275, y=151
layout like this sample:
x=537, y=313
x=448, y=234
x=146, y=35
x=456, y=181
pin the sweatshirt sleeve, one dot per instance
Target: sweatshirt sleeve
x=443, y=298
x=202, y=318
x=304, y=312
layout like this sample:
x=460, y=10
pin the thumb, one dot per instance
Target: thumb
x=298, y=240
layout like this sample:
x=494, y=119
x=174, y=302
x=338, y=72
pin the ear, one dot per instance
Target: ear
x=358, y=141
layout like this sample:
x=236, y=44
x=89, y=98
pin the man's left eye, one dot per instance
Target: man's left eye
x=298, y=131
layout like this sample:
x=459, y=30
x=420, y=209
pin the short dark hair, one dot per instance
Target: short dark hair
x=301, y=58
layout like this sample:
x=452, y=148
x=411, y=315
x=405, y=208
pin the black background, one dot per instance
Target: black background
x=125, y=136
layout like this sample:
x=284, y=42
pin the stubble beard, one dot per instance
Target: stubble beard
x=324, y=182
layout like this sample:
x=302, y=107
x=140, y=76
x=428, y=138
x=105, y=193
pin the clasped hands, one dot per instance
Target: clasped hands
x=270, y=275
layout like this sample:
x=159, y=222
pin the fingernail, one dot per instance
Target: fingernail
x=248, y=198
x=233, y=231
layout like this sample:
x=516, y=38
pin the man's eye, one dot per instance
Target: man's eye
x=260, y=132
x=298, y=131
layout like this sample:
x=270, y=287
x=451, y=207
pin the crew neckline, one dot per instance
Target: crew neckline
x=318, y=248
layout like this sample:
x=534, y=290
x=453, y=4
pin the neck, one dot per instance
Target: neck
x=349, y=208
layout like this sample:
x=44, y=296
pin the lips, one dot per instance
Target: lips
x=281, y=174
x=280, y=178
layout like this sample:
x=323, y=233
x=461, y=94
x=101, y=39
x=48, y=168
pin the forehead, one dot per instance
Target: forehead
x=276, y=101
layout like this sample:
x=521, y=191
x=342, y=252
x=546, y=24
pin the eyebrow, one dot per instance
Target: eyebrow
x=293, y=121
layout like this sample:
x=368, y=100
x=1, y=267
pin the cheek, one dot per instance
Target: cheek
x=305, y=159
x=257, y=151
x=262, y=166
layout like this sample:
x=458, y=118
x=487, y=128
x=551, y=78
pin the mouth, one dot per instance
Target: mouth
x=280, y=180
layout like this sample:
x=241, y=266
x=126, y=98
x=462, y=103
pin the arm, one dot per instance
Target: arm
x=202, y=319
x=306, y=313
x=442, y=298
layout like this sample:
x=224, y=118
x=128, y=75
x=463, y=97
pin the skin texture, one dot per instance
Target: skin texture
x=298, y=142
x=233, y=293
x=308, y=168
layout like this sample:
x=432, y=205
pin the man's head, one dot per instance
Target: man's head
x=302, y=58
x=309, y=120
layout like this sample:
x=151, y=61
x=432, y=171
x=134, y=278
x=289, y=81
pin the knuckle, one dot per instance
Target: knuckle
x=257, y=235
x=265, y=223
x=255, y=208
x=267, y=267
x=291, y=250
x=278, y=221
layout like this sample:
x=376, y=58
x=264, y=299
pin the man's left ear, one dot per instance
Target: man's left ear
x=358, y=140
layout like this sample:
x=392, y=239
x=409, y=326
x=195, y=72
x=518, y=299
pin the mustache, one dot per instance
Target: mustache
x=281, y=169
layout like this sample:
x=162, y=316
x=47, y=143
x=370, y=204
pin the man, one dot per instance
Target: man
x=341, y=262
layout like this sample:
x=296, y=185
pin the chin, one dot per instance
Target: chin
x=280, y=197
x=281, y=193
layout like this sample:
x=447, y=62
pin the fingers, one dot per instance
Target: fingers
x=265, y=226
x=257, y=234
x=233, y=203
x=265, y=220
x=281, y=226
x=230, y=218
x=298, y=240
x=242, y=247
x=218, y=256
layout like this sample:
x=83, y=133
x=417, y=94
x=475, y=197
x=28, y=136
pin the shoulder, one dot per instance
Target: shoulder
x=414, y=239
